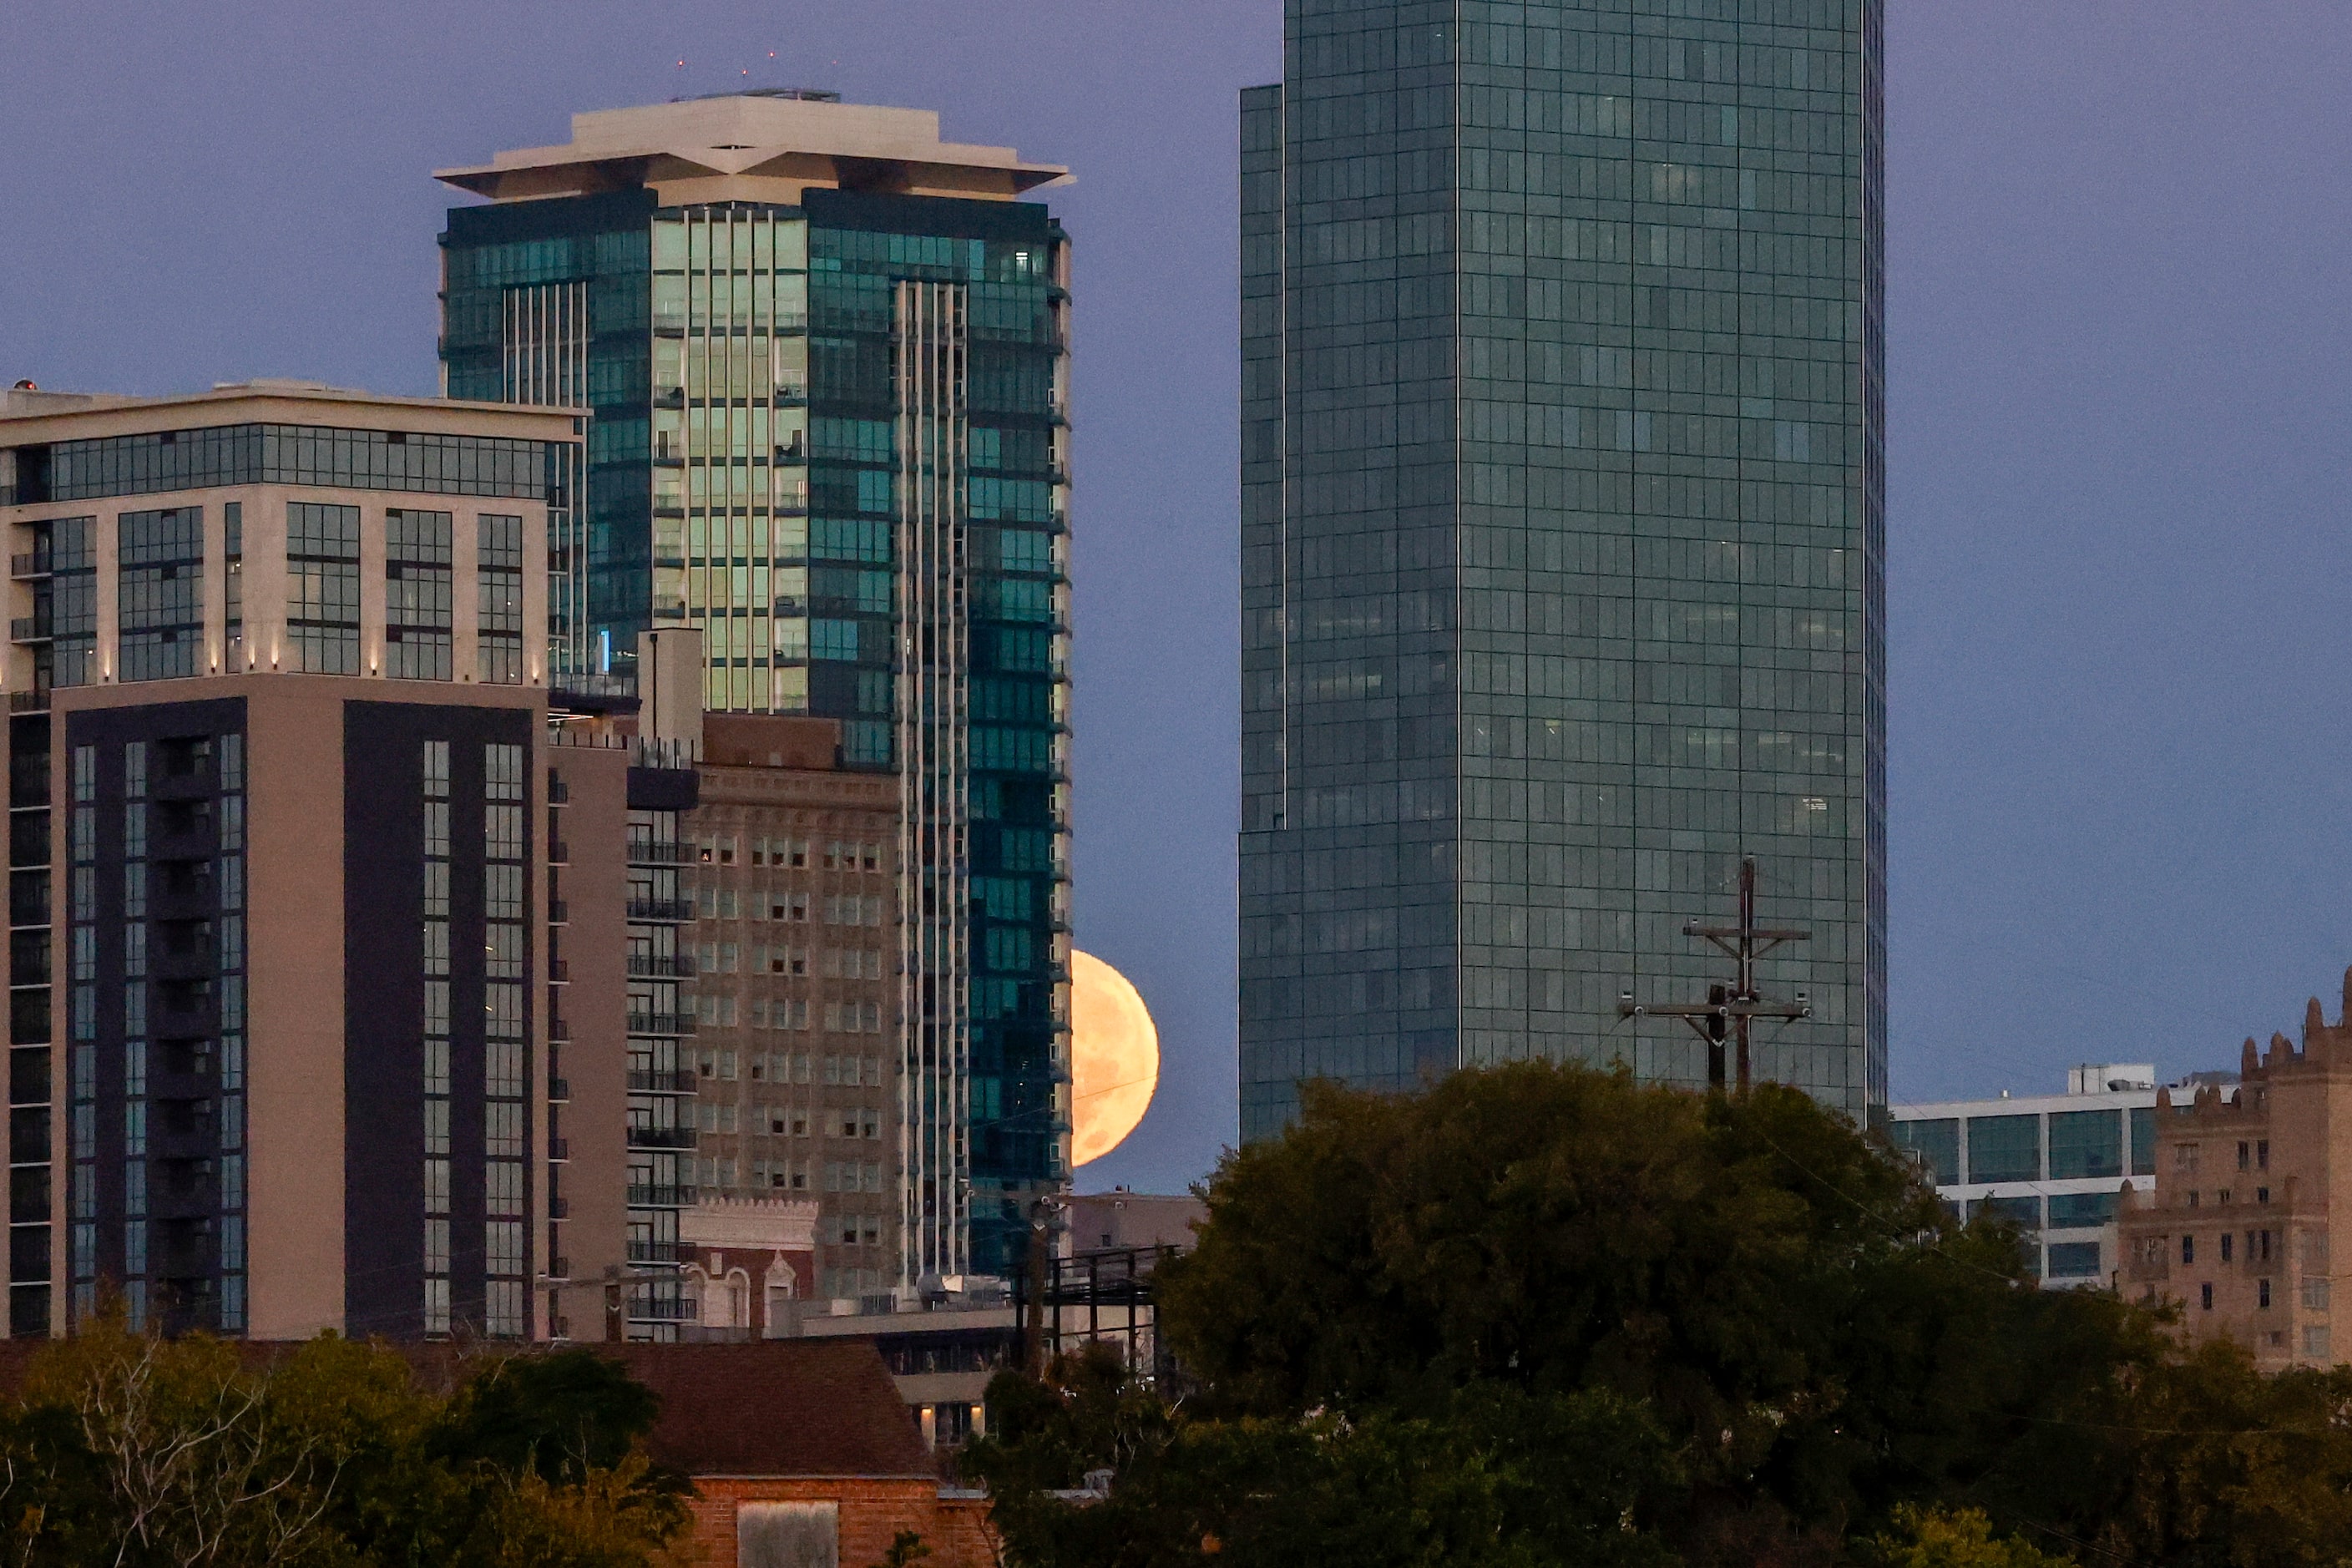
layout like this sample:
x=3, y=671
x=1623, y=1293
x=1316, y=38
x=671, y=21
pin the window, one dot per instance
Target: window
x=2184, y=1158
x=2315, y=1343
x=2207, y=1293
x=2188, y=1249
x=2073, y=1260
x=2024, y=1213
x=2000, y=1147
x=1934, y=1144
x=416, y=594
x=322, y=588
x=160, y=591
x=2081, y=1211
x=2085, y=1143
x=2143, y=1139
x=2262, y=1295
x=498, y=620
x=2245, y=1155
x=2226, y=1239
x=2314, y=1294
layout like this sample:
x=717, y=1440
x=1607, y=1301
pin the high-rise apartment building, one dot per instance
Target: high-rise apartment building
x=827, y=357
x=277, y=953
x=1562, y=536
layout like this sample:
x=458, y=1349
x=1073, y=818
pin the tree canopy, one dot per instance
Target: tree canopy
x=133, y=1450
x=1539, y=1314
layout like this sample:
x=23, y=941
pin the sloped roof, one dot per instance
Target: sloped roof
x=778, y=1407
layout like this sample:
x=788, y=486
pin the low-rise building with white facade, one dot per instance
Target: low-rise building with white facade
x=2054, y=1164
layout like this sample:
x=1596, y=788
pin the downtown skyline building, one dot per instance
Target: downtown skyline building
x=826, y=358
x=1563, y=537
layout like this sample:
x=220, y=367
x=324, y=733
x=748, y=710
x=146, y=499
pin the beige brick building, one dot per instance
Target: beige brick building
x=2249, y=1177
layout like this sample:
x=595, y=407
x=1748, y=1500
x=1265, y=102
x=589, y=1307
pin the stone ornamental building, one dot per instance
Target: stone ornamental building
x=2248, y=1181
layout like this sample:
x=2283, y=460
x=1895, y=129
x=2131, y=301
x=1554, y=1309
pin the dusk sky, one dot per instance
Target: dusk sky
x=2120, y=306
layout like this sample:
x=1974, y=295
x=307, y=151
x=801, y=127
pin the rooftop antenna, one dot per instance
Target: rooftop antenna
x=1729, y=1011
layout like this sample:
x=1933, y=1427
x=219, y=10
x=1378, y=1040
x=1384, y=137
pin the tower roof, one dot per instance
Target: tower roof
x=755, y=146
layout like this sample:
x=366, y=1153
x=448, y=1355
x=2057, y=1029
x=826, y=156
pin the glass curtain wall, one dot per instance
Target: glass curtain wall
x=1563, y=536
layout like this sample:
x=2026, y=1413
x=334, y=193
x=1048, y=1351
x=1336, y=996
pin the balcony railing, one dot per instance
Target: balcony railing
x=654, y=1252
x=660, y=1197
x=559, y=853
x=670, y=909
x=559, y=1090
x=661, y=1022
x=559, y=971
x=33, y=565
x=557, y=913
x=559, y=1208
x=660, y=966
x=559, y=1150
x=661, y=1137
x=29, y=628
x=645, y=1081
x=648, y=852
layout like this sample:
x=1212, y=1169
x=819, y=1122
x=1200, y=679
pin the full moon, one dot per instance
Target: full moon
x=1114, y=1057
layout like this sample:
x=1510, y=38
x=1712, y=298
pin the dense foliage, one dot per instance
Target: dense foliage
x=131, y=1450
x=1539, y=1315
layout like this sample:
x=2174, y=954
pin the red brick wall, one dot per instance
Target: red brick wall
x=873, y=1511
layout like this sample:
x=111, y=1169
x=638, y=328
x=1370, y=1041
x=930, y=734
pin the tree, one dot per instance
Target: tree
x=1498, y=1476
x=1937, y=1538
x=1777, y=1290
x=132, y=1450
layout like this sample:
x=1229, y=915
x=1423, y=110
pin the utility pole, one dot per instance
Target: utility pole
x=1729, y=1010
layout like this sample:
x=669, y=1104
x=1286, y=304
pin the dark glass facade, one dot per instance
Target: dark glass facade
x=832, y=437
x=280, y=455
x=1562, y=537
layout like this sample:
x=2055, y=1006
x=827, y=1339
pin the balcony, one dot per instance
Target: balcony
x=559, y=1090
x=660, y=1197
x=559, y=853
x=674, y=912
x=661, y=1137
x=643, y=1081
x=657, y=966
x=37, y=565
x=559, y=1150
x=559, y=1029
x=558, y=1268
x=559, y=971
x=29, y=701
x=653, y=1251
x=29, y=628
x=559, y=1208
x=557, y=913
x=647, y=1311
x=647, y=852
x=661, y=1022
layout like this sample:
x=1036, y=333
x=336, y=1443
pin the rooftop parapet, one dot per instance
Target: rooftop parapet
x=755, y=146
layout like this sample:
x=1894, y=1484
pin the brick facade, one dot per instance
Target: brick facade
x=873, y=1510
x=2239, y=1229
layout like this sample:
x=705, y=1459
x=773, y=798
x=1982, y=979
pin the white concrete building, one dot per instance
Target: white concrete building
x=2053, y=1164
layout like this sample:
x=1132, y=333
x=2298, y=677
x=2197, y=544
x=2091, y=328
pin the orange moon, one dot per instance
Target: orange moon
x=1114, y=1057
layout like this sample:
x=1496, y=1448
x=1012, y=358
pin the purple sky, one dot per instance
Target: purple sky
x=2119, y=279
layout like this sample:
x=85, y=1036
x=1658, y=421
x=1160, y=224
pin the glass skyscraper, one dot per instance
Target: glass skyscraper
x=827, y=358
x=1563, y=536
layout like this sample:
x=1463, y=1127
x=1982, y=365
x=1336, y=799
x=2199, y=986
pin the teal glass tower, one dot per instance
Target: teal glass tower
x=826, y=354
x=1563, y=536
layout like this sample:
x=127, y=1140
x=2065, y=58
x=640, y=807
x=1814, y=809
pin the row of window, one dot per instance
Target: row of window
x=2010, y=1148
x=788, y=1121
x=725, y=849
